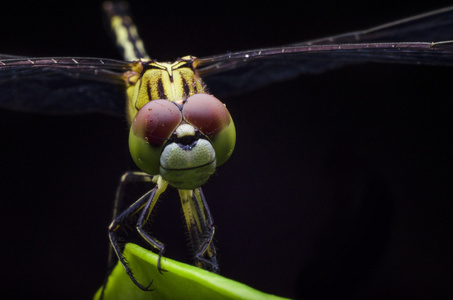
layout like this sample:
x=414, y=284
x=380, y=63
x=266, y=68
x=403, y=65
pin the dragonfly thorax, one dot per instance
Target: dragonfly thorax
x=171, y=81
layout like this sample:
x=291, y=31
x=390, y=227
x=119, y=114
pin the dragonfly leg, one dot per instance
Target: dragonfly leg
x=201, y=229
x=161, y=186
x=126, y=178
x=120, y=221
x=206, y=253
x=144, y=204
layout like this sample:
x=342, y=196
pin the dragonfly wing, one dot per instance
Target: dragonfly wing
x=429, y=27
x=233, y=73
x=62, y=85
x=245, y=71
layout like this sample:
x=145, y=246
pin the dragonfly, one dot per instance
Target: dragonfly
x=184, y=88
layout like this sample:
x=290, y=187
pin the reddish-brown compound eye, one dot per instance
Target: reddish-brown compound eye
x=156, y=121
x=206, y=113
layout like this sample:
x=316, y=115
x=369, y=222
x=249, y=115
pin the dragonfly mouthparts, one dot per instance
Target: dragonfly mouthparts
x=187, y=142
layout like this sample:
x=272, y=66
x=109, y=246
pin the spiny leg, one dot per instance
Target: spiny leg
x=126, y=178
x=201, y=229
x=118, y=222
x=146, y=204
x=206, y=252
x=144, y=216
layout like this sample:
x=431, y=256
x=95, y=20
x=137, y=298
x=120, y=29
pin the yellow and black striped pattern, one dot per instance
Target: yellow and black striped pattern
x=172, y=81
x=125, y=32
x=150, y=79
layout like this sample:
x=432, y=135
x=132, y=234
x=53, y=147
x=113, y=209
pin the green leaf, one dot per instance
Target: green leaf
x=180, y=281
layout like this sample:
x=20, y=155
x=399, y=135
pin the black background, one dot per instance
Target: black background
x=340, y=185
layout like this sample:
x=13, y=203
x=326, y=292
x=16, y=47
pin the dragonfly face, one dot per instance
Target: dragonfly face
x=178, y=131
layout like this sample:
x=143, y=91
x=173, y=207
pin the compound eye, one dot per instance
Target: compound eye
x=206, y=113
x=156, y=121
x=210, y=117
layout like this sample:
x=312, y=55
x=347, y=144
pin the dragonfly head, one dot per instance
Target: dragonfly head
x=182, y=143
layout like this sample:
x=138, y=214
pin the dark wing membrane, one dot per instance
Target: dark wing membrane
x=237, y=72
x=428, y=27
x=62, y=85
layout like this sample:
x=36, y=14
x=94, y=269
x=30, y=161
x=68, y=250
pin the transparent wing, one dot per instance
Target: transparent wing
x=428, y=27
x=423, y=39
x=80, y=85
x=62, y=85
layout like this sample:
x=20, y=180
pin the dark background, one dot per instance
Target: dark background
x=340, y=185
